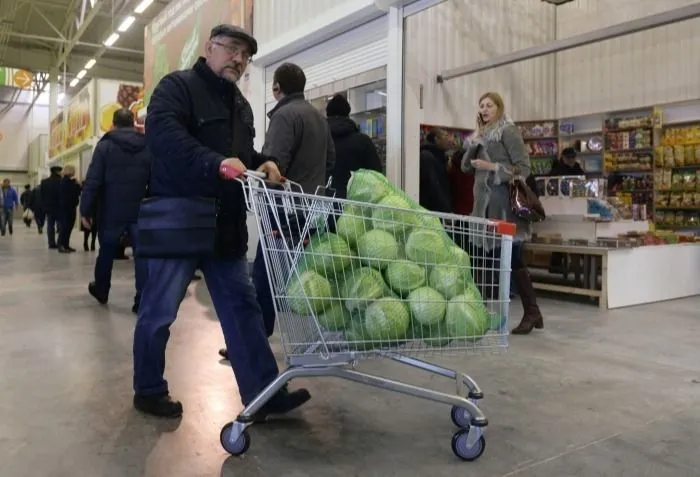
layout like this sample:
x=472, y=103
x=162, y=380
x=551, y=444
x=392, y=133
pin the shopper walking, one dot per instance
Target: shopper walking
x=115, y=184
x=69, y=197
x=200, y=127
x=50, y=198
x=10, y=201
x=496, y=153
x=299, y=139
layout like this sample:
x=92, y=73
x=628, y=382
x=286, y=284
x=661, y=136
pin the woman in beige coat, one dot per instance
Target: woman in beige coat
x=496, y=153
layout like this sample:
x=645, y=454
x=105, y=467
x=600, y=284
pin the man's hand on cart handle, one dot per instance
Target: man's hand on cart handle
x=271, y=171
x=231, y=168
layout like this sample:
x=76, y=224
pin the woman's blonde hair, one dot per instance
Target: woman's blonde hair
x=497, y=100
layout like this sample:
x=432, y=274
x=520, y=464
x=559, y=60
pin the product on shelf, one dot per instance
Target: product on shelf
x=540, y=129
x=689, y=135
x=624, y=123
x=540, y=165
x=628, y=140
x=628, y=161
x=542, y=147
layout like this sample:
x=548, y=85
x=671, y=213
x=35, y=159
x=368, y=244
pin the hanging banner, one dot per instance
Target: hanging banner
x=79, y=126
x=176, y=37
x=113, y=96
x=57, y=135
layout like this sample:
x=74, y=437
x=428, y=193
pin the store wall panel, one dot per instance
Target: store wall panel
x=460, y=32
x=647, y=68
x=272, y=18
x=356, y=51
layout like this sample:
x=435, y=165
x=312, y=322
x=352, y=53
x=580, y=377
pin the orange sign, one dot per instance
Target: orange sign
x=23, y=79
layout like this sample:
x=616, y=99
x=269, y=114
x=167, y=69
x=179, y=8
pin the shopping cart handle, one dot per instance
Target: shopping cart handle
x=231, y=173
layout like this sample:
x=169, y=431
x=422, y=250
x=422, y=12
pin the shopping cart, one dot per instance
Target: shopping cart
x=353, y=281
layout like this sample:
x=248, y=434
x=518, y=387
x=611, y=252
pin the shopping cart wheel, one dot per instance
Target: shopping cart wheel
x=461, y=417
x=237, y=447
x=467, y=446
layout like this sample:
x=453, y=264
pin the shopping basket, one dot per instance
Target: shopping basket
x=353, y=280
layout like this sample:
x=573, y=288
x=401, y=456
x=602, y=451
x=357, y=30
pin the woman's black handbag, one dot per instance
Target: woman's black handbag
x=177, y=227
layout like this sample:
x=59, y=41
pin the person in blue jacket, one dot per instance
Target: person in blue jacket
x=199, y=128
x=115, y=183
x=9, y=201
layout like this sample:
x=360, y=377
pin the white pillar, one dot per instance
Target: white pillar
x=395, y=91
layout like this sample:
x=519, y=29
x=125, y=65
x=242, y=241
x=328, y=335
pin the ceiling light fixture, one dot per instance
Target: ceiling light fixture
x=74, y=82
x=141, y=7
x=81, y=75
x=111, y=39
x=128, y=21
x=90, y=64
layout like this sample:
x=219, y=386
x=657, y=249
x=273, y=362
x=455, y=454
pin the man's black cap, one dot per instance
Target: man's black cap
x=233, y=31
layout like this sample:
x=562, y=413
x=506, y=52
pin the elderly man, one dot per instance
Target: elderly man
x=199, y=129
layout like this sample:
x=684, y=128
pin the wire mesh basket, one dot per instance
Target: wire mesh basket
x=357, y=279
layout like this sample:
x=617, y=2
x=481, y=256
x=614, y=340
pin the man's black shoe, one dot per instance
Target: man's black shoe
x=159, y=405
x=223, y=352
x=100, y=297
x=282, y=403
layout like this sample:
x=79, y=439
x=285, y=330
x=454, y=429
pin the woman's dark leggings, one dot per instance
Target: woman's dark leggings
x=486, y=265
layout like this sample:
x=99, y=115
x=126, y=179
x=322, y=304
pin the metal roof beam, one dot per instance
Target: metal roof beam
x=51, y=39
x=73, y=40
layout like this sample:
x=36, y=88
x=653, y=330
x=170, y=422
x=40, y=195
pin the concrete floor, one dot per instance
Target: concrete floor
x=595, y=394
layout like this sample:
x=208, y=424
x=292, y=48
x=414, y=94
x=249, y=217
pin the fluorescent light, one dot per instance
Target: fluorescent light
x=92, y=3
x=111, y=39
x=90, y=64
x=128, y=21
x=142, y=6
x=59, y=77
x=74, y=82
x=81, y=74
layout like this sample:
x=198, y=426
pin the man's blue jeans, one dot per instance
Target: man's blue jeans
x=236, y=305
x=109, y=246
x=262, y=288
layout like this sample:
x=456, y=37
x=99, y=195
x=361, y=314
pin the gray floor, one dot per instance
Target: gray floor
x=595, y=394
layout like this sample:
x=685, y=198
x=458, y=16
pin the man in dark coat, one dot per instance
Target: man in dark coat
x=38, y=208
x=115, y=184
x=50, y=198
x=353, y=149
x=199, y=129
x=26, y=201
x=68, y=204
x=434, y=192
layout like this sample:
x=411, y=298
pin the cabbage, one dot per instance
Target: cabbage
x=450, y=281
x=377, y=248
x=435, y=335
x=403, y=276
x=351, y=227
x=327, y=254
x=357, y=337
x=386, y=319
x=367, y=186
x=362, y=287
x=356, y=210
x=335, y=318
x=427, y=246
x=466, y=317
x=310, y=286
x=460, y=257
x=427, y=306
x=391, y=220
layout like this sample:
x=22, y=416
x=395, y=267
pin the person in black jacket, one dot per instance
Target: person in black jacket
x=567, y=165
x=199, y=129
x=115, y=184
x=434, y=192
x=50, y=198
x=353, y=149
x=38, y=208
x=69, y=197
x=25, y=201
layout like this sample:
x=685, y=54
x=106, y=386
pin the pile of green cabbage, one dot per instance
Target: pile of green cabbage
x=387, y=276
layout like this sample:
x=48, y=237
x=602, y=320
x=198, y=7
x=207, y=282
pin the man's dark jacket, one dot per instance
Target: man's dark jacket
x=50, y=190
x=353, y=150
x=300, y=141
x=116, y=180
x=196, y=120
x=434, y=192
x=69, y=197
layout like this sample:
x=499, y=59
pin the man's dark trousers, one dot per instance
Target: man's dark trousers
x=109, y=246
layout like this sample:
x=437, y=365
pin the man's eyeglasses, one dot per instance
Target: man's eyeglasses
x=234, y=50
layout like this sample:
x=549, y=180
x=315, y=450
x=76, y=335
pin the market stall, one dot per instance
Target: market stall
x=604, y=248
